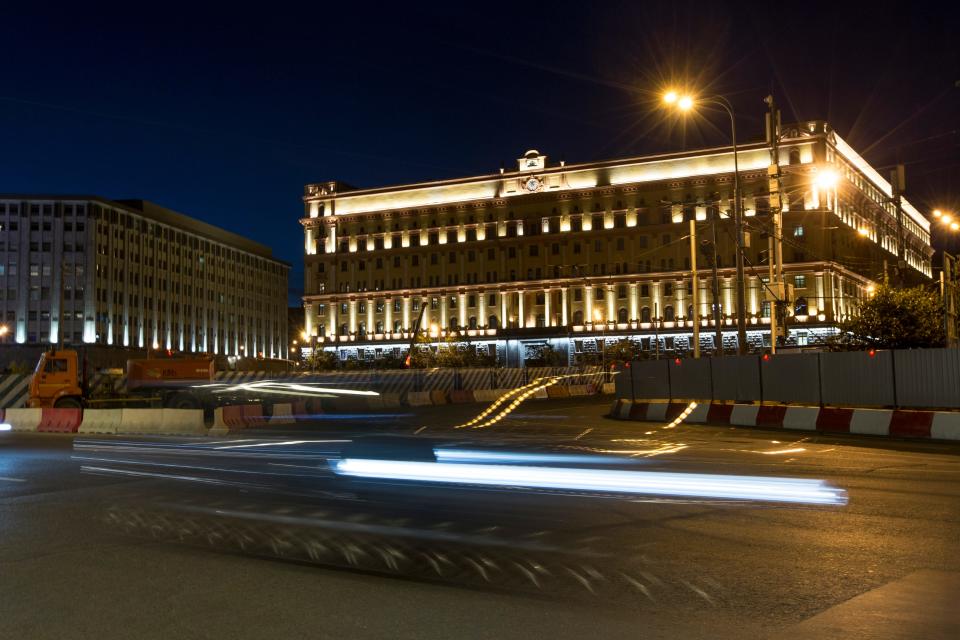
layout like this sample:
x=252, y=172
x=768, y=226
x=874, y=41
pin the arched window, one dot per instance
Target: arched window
x=397, y=326
x=453, y=324
x=690, y=312
x=343, y=329
x=541, y=321
x=622, y=315
x=668, y=313
x=379, y=326
x=362, y=329
x=473, y=322
x=492, y=322
x=795, y=156
x=800, y=307
x=578, y=318
x=645, y=314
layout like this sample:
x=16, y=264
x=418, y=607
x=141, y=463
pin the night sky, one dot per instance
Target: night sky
x=225, y=114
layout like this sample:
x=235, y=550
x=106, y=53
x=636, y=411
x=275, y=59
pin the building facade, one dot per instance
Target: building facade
x=569, y=254
x=134, y=274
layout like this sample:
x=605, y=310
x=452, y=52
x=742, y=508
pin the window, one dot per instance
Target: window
x=622, y=315
x=534, y=250
x=433, y=258
x=56, y=365
x=644, y=291
x=798, y=231
x=452, y=257
x=622, y=291
x=800, y=282
x=512, y=252
x=645, y=314
x=577, y=295
x=668, y=313
x=668, y=289
x=490, y=254
x=598, y=294
x=555, y=249
x=619, y=244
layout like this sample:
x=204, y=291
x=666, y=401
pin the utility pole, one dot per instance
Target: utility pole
x=775, y=256
x=695, y=282
x=715, y=286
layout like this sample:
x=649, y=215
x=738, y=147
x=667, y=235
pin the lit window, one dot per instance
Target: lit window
x=798, y=231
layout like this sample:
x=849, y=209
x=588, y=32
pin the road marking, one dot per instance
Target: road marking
x=5, y=479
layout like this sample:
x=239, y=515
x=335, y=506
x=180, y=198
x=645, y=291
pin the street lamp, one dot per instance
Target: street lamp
x=686, y=103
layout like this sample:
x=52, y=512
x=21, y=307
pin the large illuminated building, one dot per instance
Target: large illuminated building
x=130, y=273
x=568, y=254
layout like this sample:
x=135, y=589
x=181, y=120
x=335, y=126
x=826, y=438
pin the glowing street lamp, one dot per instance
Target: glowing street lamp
x=826, y=179
x=686, y=103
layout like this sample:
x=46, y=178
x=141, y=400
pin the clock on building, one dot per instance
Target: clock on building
x=533, y=184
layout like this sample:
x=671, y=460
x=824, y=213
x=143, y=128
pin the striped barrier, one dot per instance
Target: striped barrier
x=60, y=420
x=14, y=390
x=100, y=421
x=26, y=420
x=939, y=425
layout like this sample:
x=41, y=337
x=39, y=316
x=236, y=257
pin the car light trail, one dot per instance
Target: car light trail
x=599, y=480
x=471, y=455
x=5, y=427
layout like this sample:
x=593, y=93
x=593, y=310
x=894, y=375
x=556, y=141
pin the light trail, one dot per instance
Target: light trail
x=791, y=490
x=471, y=455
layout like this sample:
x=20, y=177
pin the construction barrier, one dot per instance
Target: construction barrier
x=282, y=413
x=141, y=421
x=252, y=415
x=438, y=397
x=462, y=397
x=558, y=391
x=391, y=400
x=23, y=419
x=541, y=393
x=608, y=388
x=60, y=420
x=419, y=398
x=487, y=395
x=939, y=425
x=100, y=421
x=177, y=422
x=578, y=390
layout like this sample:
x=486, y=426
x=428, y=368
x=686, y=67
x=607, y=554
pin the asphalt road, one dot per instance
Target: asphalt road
x=73, y=566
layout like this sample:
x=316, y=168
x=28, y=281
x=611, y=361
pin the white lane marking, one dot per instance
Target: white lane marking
x=5, y=479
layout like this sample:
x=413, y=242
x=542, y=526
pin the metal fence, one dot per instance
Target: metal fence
x=921, y=378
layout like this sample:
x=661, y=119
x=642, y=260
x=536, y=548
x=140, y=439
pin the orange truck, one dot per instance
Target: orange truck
x=60, y=380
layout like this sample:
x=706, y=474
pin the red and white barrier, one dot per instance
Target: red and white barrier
x=939, y=425
x=60, y=420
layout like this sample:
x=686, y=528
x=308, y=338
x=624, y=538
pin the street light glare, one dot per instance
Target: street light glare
x=826, y=179
x=863, y=231
x=937, y=213
x=954, y=226
x=947, y=218
x=670, y=97
x=685, y=103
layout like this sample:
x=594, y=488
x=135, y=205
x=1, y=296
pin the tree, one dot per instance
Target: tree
x=895, y=319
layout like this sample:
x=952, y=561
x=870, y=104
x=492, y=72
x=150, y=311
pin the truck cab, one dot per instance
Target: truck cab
x=56, y=381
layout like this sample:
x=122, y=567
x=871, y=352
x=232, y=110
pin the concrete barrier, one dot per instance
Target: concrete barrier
x=438, y=397
x=140, y=421
x=100, y=421
x=178, y=422
x=638, y=410
x=874, y=422
x=253, y=415
x=699, y=413
x=374, y=403
x=578, y=390
x=419, y=398
x=282, y=413
x=541, y=393
x=462, y=397
x=558, y=391
x=391, y=400
x=945, y=426
x=60, y=420
x=744, y=415
x=608, y=388
x=657, y=411
x=486, y=395
x=802, y=418
x=25, y=420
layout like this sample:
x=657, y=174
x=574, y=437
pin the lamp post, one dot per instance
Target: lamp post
x=686, y=103
x=948, y=276
x=598, y=318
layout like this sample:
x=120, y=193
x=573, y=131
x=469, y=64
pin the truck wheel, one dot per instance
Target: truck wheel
x=183, y=401
x=67, y=403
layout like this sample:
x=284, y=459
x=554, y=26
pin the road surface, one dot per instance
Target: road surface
x=883, y=565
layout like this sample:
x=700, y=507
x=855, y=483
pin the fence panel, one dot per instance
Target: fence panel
x=855, y=378
x=690, y=379
x=736, y=378
x=791, y=378
x=650, y=379
x=928, y=378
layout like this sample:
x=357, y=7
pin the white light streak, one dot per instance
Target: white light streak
x=277, y=444
x=470, y=455
x=5, y=427
x=600, y=480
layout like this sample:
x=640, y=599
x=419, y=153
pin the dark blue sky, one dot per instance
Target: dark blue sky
x=224, y=114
